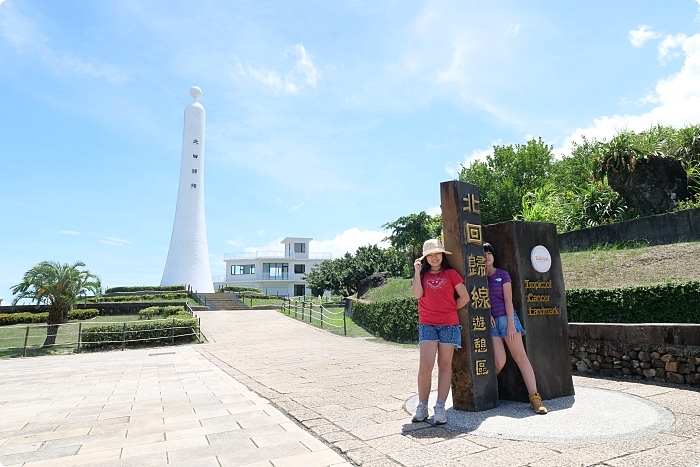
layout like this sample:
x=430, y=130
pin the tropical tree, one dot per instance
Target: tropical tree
x=409, y=232
x=58, y=286
x=507, y=175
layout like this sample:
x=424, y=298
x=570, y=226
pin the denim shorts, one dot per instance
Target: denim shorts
x=442, y=334
x=501, y=329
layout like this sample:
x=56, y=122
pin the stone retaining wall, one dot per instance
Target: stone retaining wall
x=661, y=229
x=655, y=352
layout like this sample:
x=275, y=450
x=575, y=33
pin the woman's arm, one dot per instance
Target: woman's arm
x=417, y=288
x=510, y=311
x=462, y=295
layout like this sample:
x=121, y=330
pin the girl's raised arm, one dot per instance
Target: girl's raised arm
x=417, y=289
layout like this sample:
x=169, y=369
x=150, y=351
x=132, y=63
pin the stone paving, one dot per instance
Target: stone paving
x=270, y=391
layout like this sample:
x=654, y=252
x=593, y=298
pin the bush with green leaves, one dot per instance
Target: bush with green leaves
x=146, y=288
x=662, y=303
x=180, y=329
x=139, y=298
x=239, y=288
x=33, y=318
x=395, y=320
x=160, y=311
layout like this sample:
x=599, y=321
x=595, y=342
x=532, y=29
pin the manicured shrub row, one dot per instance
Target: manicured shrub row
x=256, y=295
x=145, y=288
x=662, y=303
x=160, y=311
x=31, y=318
x=141, y=332
x=239, y=288
x=140, y=298
x=395, y=320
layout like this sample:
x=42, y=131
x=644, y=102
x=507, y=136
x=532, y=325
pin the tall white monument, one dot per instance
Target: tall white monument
x=188, y=256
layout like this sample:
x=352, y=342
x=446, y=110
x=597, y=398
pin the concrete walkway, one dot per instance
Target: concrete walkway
x=270, y=391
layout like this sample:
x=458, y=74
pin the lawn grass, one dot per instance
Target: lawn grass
x=395, y=288
x=330, y=319
x=12, y=337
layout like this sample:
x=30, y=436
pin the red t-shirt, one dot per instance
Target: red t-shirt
x=437, y=306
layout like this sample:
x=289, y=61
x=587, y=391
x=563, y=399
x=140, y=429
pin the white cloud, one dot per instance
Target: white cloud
x=642, y=34
x=349, y=241
x=298, y=206
x=68, y=232
x=235, y=242
x=513, y=30
x=667, y=47
x=434, y=211
x=676, y=99
x=114, y=241
x=305, y=66
x=302, y=74
x=477, y=154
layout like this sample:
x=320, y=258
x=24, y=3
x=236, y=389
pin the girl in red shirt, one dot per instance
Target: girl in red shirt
x=439, y=332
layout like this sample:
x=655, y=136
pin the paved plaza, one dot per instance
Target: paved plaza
x=267, y=390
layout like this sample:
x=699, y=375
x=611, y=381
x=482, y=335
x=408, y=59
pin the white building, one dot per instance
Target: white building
x=276, y=273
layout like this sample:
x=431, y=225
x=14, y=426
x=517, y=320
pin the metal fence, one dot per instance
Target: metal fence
x=27, y=340
x=330, y=317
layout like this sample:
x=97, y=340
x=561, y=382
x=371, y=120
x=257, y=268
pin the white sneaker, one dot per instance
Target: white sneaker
x=440, y=417
x=421, y=413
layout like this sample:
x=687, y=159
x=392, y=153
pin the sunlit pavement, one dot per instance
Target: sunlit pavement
x=270, y=391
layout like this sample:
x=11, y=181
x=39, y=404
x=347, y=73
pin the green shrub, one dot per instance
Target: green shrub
x=160, y=311
x=256, y=295
x=395, y=320
x=7, y=319
x=238, y=288
x=662, y=303
x=83, y=314
x=139, y=288
x=141, y=332
x=140, y=298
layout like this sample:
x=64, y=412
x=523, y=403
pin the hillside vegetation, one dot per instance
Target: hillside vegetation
x=602, y=269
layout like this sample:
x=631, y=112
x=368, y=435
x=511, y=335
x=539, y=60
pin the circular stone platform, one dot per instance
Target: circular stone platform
x=592, y=415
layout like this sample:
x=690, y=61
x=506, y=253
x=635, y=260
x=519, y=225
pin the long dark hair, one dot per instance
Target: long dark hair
x=424, y=266
x=488, y=247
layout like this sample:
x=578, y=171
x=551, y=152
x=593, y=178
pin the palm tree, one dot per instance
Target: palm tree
x=59, y=286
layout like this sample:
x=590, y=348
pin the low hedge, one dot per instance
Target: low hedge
x=257, y=295
x=140, y=298
x=662, y=303
x=395, y=320
x=239, y=288
x=145, y=288
x=34, y=318
x=160, y=311
x=138, y=333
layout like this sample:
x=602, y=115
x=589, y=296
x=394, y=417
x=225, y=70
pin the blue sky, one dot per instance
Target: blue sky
x=324, y=119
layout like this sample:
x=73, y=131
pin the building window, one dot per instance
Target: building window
x=275, y=271
x=299, y=268
x=242, y=269
x=299, y=290
x=300, y=248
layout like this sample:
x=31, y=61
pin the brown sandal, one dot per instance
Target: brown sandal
x=536, y=403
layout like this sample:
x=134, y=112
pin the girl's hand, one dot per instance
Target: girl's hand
x=510, y=330
x=493, y=323
x=417, y=265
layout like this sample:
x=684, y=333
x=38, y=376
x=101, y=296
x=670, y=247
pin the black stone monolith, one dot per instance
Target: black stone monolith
x=474, y=384
x=540, y=300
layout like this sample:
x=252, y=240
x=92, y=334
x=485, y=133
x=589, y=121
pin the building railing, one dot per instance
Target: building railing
x=277, y=254
x=263, y=276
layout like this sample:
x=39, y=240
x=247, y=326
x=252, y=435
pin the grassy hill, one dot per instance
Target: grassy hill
x=602, y=269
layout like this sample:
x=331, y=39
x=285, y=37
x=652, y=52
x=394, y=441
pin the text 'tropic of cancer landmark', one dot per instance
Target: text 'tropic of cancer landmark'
x=188, y=256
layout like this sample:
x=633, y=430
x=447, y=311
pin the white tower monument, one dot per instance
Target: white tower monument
x=188, y=256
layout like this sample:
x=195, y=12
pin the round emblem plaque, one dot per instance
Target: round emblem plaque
x=541, y=259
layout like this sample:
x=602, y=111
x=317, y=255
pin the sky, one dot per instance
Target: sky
x=324, y=119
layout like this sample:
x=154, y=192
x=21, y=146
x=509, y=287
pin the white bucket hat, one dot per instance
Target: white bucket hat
x=433, y=246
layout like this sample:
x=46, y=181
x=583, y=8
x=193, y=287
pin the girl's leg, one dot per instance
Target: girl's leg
x=499, y=353
x=425, y=370
x=517, y=350
x=445, y=352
